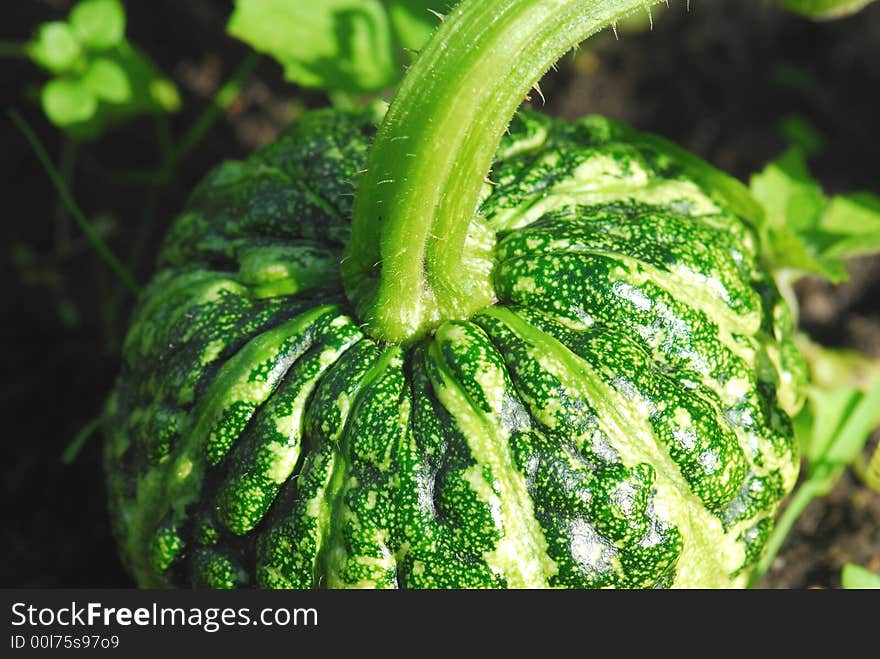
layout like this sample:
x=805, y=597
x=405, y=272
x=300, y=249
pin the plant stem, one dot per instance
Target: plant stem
x=815, y=485
x=62, y=217
x=859, y=423
x=839, y=446
x=76, y=444
x=97, y=242
x=163, y=134
x=418, y=254
x=872, y=471
x=824, y=473
x=220, y=102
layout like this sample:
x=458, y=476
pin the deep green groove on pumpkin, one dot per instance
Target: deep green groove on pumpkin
x=619, y=416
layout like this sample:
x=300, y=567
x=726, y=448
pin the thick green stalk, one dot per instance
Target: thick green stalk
x=419, y=254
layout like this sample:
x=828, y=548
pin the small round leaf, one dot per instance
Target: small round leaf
x=68, y=102
x=165, y=95
x=99, y=24
x=108, y=81
x=56, y=48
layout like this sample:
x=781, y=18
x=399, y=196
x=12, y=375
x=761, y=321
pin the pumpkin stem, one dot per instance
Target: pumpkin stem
x=419, y=252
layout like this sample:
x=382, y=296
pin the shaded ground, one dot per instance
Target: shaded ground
x=719, y=80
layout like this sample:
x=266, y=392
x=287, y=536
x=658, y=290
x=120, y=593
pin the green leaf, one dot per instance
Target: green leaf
x=99, y=24
x=824, y=9
x=352, y=46
x=56, y=48
x=857, y=213
x=855, y=246
x=789, y=195
x=858, y=424
x=855, y=219
x=843, y=407
x=794, y=251
x=856, y=577
x=102, y=77
x=108, y=81
x=414, y=20
x=805, y=231
x=823, y=418
x=68, y=101
x=151, y=92
x=119, y=84
x=336, y=44
x=165, y=95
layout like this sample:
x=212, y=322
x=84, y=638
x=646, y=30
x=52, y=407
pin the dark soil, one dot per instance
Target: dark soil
x=719, y=80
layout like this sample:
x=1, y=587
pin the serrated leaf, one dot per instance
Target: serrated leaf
x=850, y=226
x=336, y=44
x=55, y=47
x=790, y=250
x=790, y=197
x=856, y=577
x=99, y=24
x=351, y=46
x=108, y=81
x=855, y=246
x=824, y=9
x=804, y=230
x=853, y=214
x=68, y=101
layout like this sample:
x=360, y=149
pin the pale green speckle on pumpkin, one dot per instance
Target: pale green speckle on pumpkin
x=619, y=417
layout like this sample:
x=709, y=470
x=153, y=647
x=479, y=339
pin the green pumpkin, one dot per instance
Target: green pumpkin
x=618, y=417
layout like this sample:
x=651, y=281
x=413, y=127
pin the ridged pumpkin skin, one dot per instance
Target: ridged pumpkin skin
x=618, y=418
